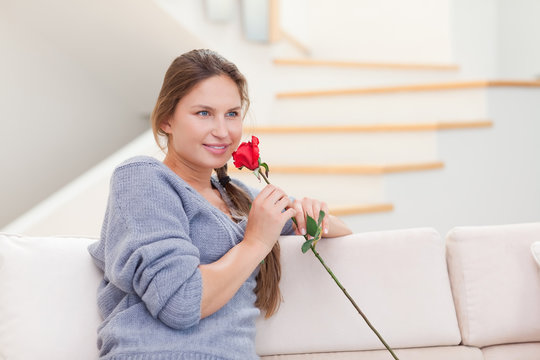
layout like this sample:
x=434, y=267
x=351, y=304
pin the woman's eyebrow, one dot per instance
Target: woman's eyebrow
x=206, y=107
x=202, y=107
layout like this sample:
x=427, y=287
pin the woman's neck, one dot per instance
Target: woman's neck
x=197, y=178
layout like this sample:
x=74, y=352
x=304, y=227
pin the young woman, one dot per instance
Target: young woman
x=182, y=251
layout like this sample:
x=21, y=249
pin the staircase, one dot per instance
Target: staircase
x=385, y=144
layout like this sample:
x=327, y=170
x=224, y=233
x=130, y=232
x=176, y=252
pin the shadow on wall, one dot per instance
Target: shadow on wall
x=79, y=79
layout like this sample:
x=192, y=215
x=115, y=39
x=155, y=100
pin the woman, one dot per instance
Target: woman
x=182, y=251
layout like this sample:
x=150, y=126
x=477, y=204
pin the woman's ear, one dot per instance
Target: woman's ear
x=166, y=125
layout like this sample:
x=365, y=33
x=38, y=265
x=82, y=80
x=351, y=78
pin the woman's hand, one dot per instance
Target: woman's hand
x=269, y=212
x=312, y=208
x=331, y=225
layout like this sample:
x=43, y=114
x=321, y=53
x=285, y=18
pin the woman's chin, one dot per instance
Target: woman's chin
x=220, y=164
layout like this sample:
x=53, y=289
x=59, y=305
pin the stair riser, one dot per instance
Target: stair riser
x=351, y=148
x=377, y=108
x=301, y=78
x=336, y=190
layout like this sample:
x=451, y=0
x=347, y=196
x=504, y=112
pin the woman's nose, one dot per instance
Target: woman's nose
x=220, y=127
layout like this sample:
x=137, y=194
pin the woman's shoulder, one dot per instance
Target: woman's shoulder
x=143, y=166
x=146, y=180
x=141, y=172
x=139, y=161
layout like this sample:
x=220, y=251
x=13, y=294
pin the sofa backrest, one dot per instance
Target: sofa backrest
x=47, y=299
x=398, y=278
x=496, y=283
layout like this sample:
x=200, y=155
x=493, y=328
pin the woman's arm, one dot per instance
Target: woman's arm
x=336, y=227
x=222, y=279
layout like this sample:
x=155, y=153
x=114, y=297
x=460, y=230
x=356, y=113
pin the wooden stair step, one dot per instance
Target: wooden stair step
x=352, y=169
x=362, y=64
x=456, y=85
x=360, y=209
x=433, y=126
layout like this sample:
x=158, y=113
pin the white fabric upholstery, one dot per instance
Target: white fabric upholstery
x=429, y=353
x=535, y=248
x=47, y=299
x=496, y=283
x=528, y=351
x=398, y=278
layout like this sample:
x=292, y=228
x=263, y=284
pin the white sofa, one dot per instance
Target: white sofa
x=474, y=295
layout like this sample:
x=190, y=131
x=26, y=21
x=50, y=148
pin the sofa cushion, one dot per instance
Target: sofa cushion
x=528, y=351
x=496, y=283
x=47, y=298
x=535, y=249
x=428, y=353
x=398, y=278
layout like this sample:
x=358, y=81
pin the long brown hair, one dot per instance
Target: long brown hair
x=185, y=72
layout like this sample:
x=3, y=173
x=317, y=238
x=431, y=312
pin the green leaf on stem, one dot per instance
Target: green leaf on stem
x=321, y=217
x=306, y=246
x=311, y=226
x=266, y=169
x=317, y=237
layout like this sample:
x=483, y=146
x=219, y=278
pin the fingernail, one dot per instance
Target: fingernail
x=303, y=231
x=326, y=231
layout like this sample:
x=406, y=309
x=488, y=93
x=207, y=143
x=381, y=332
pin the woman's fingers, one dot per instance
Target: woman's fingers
x=289, y=213
x=326, y=219
x=312, y=208
x=300, y=219
x=274, y=197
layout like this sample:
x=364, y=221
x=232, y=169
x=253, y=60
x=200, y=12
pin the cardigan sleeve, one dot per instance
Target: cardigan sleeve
x=147, y=248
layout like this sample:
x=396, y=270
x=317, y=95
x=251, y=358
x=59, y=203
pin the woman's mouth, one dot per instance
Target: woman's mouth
x=216, y=148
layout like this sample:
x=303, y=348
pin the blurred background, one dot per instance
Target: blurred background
x=398, y=113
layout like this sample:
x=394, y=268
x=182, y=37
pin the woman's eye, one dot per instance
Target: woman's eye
x=203, y=113
x=232, y=114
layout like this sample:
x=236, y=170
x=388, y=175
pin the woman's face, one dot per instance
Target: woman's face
x=206, y=126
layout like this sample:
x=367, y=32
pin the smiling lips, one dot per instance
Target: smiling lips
x=216, y=148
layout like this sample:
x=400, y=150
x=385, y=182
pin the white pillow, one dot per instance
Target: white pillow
x=47, y=298
x=398, y=279
x=495, y=283
x=535, y=248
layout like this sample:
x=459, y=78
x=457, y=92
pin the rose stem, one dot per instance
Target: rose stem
x=341, y=287
x=352, y=301
x=264, y=177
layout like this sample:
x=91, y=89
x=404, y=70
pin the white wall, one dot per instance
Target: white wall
x=519, y=39
x=294, y=19
x=56, y=119
x=78, y=81
x=497, y=38
x=490, y=177
x=474, y=37
x=383, y=30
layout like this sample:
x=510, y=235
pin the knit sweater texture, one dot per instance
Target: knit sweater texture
x=156, y=232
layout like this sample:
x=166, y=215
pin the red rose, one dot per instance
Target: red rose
x=247, y=154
